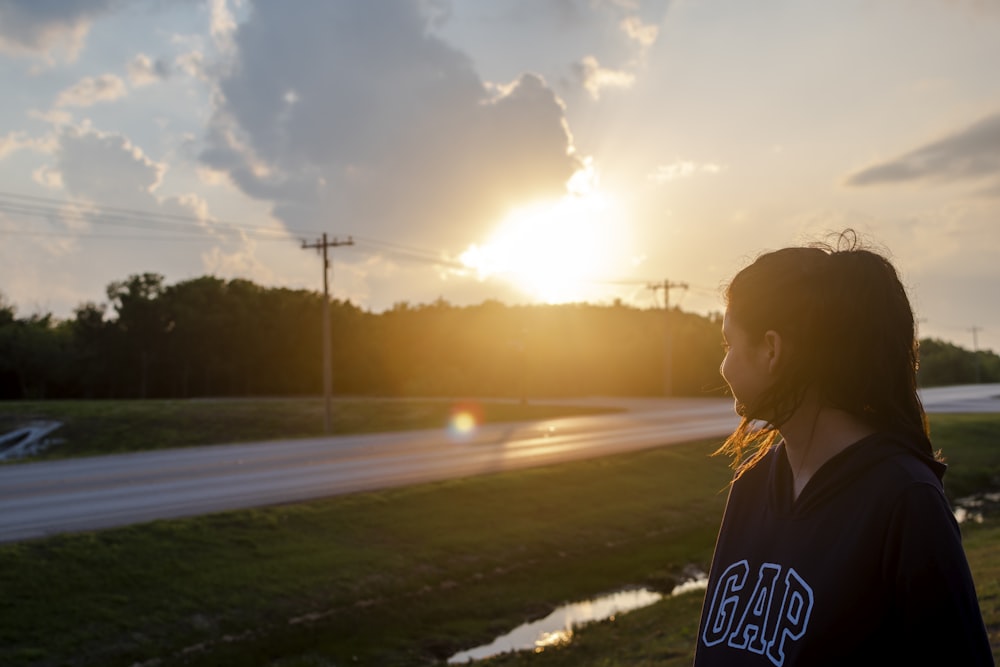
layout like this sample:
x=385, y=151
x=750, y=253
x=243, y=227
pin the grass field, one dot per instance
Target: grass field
x=411, y=576
x=110, y=427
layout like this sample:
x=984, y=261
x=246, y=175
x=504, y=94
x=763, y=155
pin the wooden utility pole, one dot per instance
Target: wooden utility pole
x=975, y=352
x=668, y=342
x=322, y=245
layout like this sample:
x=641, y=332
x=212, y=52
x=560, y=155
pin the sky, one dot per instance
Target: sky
x=528, y=151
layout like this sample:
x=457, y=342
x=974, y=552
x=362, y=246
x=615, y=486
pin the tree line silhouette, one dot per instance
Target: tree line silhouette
x=212, y=337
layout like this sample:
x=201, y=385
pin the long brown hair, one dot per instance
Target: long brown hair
x=849, y=334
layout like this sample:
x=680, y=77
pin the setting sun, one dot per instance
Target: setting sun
x=553, y=250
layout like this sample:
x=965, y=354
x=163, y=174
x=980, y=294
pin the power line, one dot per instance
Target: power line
x=411, y=253
x=171, y=230
x=111, y=237
x=51, y=206
x=104, y=207
x=48, y=208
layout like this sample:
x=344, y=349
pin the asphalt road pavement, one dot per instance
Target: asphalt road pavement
x=46, y=498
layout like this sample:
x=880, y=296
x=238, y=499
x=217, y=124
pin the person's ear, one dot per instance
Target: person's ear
x=772, y=350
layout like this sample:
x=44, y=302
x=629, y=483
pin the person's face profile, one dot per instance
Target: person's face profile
x=745, y=367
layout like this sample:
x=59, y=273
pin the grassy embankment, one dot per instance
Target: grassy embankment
x=111, y=427
x=410, y=576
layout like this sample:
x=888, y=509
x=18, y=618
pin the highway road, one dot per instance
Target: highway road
x=46, y=498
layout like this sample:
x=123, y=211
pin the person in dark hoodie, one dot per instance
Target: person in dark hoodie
x=838, y=546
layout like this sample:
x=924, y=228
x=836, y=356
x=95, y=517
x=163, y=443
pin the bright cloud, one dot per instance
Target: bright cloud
x=643, y=34
x=222, y=25
x=15, y=141
x=410, y=140
x=595, y=78
x=665, y=173
x=241, y=262
x=91, y=90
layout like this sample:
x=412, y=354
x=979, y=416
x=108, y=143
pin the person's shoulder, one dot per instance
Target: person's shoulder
x=898, y=463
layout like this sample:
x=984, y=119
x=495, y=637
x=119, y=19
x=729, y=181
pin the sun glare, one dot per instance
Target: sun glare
x=463, y=422
x=465, y=419
x=552, y=251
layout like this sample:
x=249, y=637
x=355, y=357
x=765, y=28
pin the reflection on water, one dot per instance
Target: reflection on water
x=557, y=627
x=698, y=582
x=972, y=509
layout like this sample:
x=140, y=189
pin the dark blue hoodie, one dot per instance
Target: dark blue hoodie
x=866, y=567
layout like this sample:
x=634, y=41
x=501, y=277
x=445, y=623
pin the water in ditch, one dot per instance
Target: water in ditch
x=557, y=627
x=974, y=509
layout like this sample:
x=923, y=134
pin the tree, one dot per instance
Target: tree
x=91, y=351
x=34, y=357
x=140, y=327
x=944, y=363
x=208, y=336
x=198, y=343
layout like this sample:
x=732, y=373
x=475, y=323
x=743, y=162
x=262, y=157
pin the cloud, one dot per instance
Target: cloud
x=354, y=117
x=242, y=262
x=211, y=177
x=51, y=116
x=84, y=170
x=970, y=155
x=665, y=173
x=104, y=167
x=15, y=141
x=595, y=78
x=47, y=177
x=143, y=70
x=222, y=25
x=96, y=169
x=642, y=33
x=42, y=29
x=977, y=8
x=89, y=91
x=628, y=55
x=192, y=63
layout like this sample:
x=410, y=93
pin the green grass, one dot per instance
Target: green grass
x=408, y=576
x=971, y=469
x=110, y=427
x=982, y=545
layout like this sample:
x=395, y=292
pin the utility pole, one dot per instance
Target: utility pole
x=975, y=351
x=322, y=245
x=668, y=344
